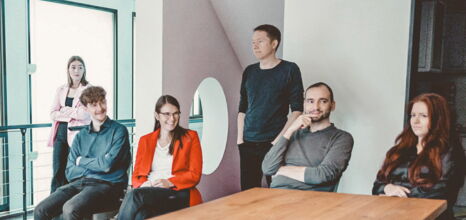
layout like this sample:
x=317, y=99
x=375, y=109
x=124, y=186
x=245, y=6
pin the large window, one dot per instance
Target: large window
x=57, y=32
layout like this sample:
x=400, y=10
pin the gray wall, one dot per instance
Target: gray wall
x=360, y=48
x=196, y=47
x=210, y=39
x=240, y=17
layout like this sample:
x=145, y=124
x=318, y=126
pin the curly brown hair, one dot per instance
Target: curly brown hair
x=92, y=94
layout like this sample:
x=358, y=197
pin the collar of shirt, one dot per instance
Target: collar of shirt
x=106, y=124
x=330, y=127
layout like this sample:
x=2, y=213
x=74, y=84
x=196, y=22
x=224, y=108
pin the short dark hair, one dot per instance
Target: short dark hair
x=92, y=94
x=319, y=84
x=272, y=32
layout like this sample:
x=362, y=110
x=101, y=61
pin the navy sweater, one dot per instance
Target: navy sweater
x=266, y=96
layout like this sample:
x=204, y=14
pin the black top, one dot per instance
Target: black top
x=62, y=126
x=399, y=176
x=266, y=96
x=69, y=101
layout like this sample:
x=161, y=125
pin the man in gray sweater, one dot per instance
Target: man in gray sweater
x=312, y=153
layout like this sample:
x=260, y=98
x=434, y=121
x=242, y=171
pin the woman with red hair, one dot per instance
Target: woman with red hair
x=420, y=164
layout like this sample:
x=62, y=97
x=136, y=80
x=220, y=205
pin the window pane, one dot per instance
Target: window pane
x=59, y=31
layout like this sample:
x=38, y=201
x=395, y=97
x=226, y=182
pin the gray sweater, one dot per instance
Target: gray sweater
x=324, y=153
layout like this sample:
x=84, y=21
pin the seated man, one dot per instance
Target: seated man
x=97, y=164
x=312, y=154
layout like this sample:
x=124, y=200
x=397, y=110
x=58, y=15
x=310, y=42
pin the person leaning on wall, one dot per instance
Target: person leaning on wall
x=423, y=162
x=268, y=89
x=168, y=167
x=67, y=111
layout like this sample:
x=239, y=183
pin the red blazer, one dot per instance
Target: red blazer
x=186, y=167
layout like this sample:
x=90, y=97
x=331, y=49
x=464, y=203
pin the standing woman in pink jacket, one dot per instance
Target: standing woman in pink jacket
x=67, y=111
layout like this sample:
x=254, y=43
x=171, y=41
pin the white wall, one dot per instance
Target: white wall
x=360, y=48
x=148, y=62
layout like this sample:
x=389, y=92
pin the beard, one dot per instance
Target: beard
x=325, y=115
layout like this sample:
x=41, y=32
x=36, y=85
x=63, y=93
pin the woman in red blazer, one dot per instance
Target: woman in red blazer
x=168, y=167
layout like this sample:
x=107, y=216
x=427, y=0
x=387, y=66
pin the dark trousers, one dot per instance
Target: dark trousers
x=60, y=157
x=251, y=155
x=146, y=202
x=80, y=198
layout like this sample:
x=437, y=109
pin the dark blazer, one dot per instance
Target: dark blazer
x=399, y=176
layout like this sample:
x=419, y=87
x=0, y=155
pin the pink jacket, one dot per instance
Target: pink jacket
x=75, y=115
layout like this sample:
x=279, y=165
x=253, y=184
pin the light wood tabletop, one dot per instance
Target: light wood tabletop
x=264, y=203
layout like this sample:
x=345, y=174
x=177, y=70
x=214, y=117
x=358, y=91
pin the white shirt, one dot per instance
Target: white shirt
x=161, y=163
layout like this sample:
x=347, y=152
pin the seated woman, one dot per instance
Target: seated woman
x=421, y=163
x=168, y=167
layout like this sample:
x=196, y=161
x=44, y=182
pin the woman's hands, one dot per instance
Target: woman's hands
x=161, y=183
x=146, y=184
x=395, y=190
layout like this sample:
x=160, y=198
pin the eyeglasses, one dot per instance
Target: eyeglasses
x=168, y=114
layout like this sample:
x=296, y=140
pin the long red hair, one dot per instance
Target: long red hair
x=435, y=143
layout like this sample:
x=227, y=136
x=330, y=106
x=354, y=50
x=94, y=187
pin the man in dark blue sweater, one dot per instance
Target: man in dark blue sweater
x=97, y=164
x=268, y=89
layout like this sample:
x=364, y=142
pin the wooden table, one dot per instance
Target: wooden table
x=263, y=203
